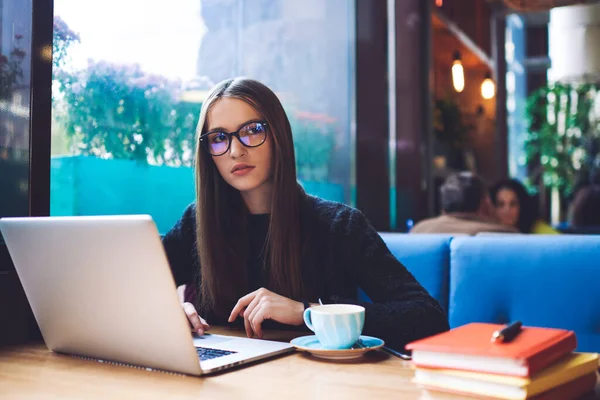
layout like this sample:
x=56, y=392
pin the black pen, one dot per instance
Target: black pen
x=508, y=333
x=403, y=356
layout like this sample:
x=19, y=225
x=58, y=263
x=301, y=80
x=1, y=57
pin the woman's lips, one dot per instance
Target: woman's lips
x=242, y=171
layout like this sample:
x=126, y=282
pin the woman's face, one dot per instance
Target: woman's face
x=507, y=207
x=245, y=168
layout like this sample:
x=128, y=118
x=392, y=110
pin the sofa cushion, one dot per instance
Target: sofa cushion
x=427, y=257
x=550, y=281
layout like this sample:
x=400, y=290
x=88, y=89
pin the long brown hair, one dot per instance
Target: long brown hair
x=221, y=213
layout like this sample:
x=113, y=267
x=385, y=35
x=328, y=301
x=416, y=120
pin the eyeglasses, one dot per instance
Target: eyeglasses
x=252, y=134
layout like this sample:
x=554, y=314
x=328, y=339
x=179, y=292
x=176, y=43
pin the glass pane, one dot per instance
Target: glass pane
x=126, y=99
x=15, y=66
x=516, y=96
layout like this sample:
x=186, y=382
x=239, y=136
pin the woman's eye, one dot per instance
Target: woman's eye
x=219, y=137
x=254, y=129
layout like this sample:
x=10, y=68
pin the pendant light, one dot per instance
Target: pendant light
x=488, y=88
x=458, y=73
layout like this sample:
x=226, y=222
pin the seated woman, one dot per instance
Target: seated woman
x=515, y=207
x=255, y=247
x=585, y=210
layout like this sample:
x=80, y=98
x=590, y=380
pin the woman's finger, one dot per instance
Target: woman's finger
x=247, y=313
x=248, y=327
x=194, y=318
x=258, y=316
x=205, y=324
x=241, y=304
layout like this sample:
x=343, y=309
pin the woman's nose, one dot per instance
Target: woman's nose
x=237, y=148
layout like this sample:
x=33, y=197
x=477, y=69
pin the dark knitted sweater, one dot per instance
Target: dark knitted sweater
x=345, y=253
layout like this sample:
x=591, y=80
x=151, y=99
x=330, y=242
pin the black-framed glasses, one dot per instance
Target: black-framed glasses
x=251, y=134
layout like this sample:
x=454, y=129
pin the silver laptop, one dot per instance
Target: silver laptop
x=101, y=287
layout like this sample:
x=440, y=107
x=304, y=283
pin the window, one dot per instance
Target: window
x=516, y=95
x=128, y=86
x=24, y=142
x=15, y=67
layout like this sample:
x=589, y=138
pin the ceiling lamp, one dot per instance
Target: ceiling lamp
x=458, y=73
x=488, y=88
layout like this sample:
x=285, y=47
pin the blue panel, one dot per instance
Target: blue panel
x=545, y=280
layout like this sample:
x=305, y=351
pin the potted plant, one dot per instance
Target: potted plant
x=563, y=139
x=451, y=132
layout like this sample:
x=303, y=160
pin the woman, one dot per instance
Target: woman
x=514, y=207
x=256, y=247
x=585, y=209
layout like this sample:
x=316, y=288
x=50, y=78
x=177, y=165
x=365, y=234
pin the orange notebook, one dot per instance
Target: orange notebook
x=469, y=347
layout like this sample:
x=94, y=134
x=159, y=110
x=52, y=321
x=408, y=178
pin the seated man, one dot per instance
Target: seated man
x=467, y=208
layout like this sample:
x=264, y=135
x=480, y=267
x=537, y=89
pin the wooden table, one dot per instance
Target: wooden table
x=33, y=372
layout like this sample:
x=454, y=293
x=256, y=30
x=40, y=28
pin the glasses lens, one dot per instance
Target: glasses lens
x=253, y=134
x=217, y=143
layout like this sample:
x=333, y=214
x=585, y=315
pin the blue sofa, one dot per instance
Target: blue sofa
x=551, y=281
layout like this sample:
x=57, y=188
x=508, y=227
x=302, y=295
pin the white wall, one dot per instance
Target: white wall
x=574, y=40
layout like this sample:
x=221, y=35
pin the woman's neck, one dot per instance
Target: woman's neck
x=258, y=200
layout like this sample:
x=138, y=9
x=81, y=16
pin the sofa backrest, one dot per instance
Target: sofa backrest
x=541, y=280
x=427, y=257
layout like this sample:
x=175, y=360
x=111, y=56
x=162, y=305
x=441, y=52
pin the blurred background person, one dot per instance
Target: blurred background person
x=466, y=208
x=585, y=209
x=516, y=208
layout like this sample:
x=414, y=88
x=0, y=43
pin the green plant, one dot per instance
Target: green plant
x=563, y=134
x=11, y=70
x=449, y=124
x=62, y=39
x=119, y=111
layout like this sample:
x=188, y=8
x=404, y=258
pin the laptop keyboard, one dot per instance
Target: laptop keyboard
x=208, y=354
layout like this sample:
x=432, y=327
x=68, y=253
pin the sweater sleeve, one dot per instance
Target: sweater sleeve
x=180, y=247
x=401, y=310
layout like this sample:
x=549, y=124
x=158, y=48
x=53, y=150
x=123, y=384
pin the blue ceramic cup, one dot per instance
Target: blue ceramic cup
x=337, y=326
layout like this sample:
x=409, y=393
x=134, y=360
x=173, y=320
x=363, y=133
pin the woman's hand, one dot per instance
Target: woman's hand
x=198, y=323
x=263, y=304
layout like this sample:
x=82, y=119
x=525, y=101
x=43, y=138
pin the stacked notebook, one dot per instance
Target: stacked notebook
x=539, y=363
